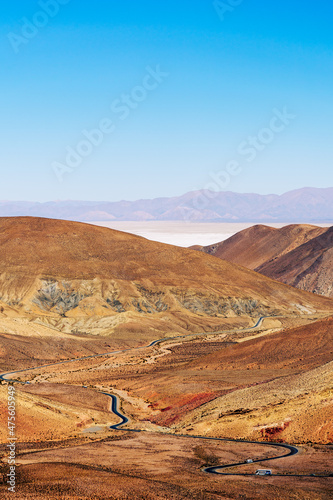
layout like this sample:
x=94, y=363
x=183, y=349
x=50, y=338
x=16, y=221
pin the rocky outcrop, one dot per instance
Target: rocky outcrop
x=221, y=306
x=58, y=296
x=63, y=296
x=85, y=277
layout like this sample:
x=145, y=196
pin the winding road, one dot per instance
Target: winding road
x=291, y=450
x=109, y=353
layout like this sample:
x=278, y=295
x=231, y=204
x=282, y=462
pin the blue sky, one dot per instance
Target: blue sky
x=225, y=77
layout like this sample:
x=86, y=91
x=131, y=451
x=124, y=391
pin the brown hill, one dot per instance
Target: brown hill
x=95, y=278
x=282, y=386
x=259, y=244
x=299, y=255
x=291, y=350
x=276, y=386
x=308, y=267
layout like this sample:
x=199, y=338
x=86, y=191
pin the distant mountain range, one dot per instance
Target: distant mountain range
x=302, y=205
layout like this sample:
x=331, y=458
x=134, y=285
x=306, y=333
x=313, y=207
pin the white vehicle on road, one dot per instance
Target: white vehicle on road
x=263, y=472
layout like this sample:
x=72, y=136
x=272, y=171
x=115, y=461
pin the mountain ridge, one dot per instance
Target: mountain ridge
x=77, y=274
x=301, y=205
x=307, y=267
x=300, y=255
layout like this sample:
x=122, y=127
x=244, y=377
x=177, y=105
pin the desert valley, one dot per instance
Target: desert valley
x=166, y=250
x=137, y=365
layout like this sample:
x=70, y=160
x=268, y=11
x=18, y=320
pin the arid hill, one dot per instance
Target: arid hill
x=299, y=255
x=70, y=290
x=273, y=385
x=85, y=276
x=260, y=244
x=291, y=350
x=308, y=267
x=276, y=386
x=287, y=392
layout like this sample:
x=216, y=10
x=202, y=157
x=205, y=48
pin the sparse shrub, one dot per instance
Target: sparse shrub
x=206, y=455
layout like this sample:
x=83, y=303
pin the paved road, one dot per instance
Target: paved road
x=4, y=376
x=292, y=450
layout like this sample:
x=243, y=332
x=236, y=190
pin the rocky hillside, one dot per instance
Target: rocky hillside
x=76, y=275
x=300, y=255
x=286, y=394
x=259, y=244
x=308, y=267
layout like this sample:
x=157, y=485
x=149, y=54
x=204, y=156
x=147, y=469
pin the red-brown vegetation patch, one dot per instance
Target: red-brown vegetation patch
x=272, y=433
x=182, y=405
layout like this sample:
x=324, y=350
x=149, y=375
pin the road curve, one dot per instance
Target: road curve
x=154, y=342
x=114, y=409
x=291, y=450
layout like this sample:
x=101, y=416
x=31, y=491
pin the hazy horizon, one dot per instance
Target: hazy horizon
x=143, y=199
x=185, y=234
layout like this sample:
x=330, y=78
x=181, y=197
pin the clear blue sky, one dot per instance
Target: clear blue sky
x=226, y=74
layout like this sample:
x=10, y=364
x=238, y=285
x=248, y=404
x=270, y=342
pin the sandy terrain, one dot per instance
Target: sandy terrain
x=219, y=376
x=166, y=467
x=106, y=464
